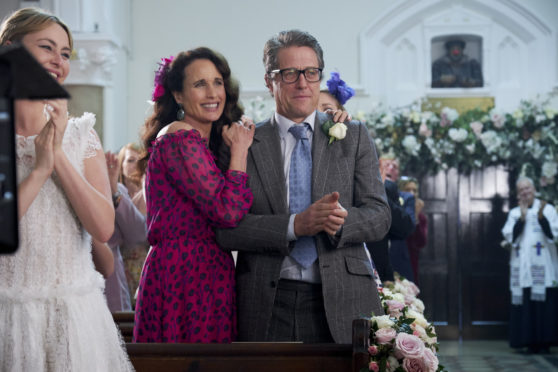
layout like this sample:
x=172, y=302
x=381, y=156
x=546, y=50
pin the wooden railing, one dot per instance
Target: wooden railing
x=248, y=356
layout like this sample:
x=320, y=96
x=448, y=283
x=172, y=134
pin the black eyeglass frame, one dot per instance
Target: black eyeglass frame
x=280, y=72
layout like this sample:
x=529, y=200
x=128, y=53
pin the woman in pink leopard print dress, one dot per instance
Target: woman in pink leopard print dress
x=187, y=288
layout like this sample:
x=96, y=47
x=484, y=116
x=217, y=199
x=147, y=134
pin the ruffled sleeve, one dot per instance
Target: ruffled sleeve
x=91, y=142
x=223, y=199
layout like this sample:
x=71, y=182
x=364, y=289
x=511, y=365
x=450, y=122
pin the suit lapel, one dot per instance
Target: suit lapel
x=321, y=157
x=266, y=153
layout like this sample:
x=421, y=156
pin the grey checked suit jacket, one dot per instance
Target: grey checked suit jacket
x=349, y=166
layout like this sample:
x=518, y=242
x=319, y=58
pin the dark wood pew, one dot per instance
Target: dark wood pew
x=125, y=322
x=247, y=356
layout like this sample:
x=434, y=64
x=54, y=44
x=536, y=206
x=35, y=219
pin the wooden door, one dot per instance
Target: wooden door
x=463, y=270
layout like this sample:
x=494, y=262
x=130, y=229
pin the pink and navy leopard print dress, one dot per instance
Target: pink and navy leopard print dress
x=187, y=288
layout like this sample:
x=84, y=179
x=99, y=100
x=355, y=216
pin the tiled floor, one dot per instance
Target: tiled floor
x=489, y=356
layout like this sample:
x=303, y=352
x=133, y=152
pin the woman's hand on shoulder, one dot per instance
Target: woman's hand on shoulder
x=339, y=116
x=173, y=127
x=239, y=134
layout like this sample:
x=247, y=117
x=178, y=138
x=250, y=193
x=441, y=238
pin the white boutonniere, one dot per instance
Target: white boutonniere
x=335, y=131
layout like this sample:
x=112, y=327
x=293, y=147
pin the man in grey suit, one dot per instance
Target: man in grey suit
x=288, y=290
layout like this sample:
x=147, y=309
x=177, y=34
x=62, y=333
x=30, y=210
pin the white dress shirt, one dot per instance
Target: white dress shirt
x=290, y=269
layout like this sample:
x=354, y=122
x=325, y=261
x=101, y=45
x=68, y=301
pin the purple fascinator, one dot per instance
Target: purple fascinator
x=158, y=89
x=339, y=89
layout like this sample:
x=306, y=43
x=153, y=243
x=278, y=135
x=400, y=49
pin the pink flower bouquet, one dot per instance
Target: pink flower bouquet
x=402, y=340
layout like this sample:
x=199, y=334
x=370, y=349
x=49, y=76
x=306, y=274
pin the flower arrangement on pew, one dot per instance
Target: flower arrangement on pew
x=402, y=340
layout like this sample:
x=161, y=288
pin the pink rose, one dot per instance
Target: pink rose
x=414, y=365
x=408, y=346
x=424, y=131
x=373, y=350
x=394, y=306
x=430, y=360
x=385, y=335
x=414, y=289
x=373, y=366
x=409, y=299
x=419, y=331
x=498, y=119
x=477, y=126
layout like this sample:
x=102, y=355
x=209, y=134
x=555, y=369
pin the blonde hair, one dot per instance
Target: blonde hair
x=135, y=177
x=28, y=20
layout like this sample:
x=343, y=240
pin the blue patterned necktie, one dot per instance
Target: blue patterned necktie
x=300, y=192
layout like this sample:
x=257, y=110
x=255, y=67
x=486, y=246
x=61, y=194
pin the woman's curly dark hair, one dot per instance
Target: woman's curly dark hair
x=165, y=108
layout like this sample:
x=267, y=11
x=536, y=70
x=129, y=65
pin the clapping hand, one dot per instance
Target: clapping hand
x=44, y=149
x=523, y=207
x=325, y=214
x=57, y=114
x=113, y=167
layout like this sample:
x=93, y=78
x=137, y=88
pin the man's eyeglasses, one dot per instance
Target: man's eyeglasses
x=291, y=75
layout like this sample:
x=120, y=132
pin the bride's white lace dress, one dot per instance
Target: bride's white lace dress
x=53, y=314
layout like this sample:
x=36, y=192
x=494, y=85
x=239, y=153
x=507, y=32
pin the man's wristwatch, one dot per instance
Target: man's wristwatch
x=116, y=198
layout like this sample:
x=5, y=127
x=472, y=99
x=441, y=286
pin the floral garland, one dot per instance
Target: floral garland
x=426, y=142
x=524, y=140
x=402, y=340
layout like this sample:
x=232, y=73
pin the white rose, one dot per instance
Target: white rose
x=379, y=144
x=400, y=288
x=387, y=292
x=491, y=141
x=399, y=297
x=458, y=135
x=418, y=317
x=360, y=116
x=411, y=145
x=383, y=321
x=415, y=117
x=549, y=169
x=393, y=363
x=450, y=114
x=418, y=305
x=388, y=120
x=338, y=131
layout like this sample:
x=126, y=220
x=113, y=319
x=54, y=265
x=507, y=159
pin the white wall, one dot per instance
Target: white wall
x=239, y=29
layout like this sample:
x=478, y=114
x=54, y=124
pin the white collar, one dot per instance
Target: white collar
x=284, y=124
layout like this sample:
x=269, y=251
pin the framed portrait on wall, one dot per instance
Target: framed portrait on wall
x=457, y=61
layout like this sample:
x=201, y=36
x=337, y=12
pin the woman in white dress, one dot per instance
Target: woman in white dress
x=53, y=315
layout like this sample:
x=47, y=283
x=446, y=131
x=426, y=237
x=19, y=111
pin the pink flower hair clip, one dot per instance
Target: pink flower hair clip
x=158, y=89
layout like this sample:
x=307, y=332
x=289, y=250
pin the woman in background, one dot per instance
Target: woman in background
x=418, y=239
x=132, y=177
x=129, y=227
x=336, y=94
x=53, y=315
x=187, y=288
